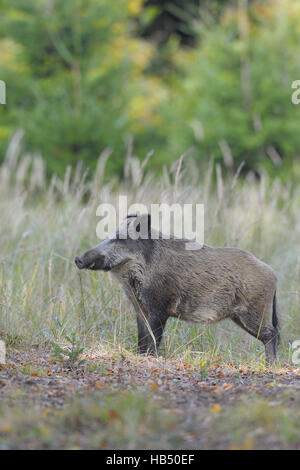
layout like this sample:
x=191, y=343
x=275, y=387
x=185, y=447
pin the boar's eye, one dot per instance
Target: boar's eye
x=119, y=240
x=128, y=243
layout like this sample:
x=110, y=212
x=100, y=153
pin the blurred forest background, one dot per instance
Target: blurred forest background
x=212, y=76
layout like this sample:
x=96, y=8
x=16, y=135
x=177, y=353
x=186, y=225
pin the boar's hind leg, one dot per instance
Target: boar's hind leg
x=150, y=332
x=271, y=347
x=254, y=324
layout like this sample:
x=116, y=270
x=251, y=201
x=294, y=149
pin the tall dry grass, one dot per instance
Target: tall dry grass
x=44, y=225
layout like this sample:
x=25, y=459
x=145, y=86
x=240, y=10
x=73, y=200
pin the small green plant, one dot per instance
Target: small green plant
x=99, y=368
x=14, y=339
x=69, y=356
x=30, y=369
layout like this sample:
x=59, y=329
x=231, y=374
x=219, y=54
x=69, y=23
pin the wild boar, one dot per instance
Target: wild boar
x=163, y=279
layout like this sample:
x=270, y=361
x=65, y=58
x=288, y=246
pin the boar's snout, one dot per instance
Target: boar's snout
x=79, y=262
x=92, y=259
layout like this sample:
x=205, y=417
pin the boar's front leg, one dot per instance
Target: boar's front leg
x=150, y=332
x=142, y=335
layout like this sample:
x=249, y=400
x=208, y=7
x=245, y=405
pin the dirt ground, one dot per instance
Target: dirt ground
x=217, y=406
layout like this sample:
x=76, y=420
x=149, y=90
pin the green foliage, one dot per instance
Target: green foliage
x=70, y=68
x=80, y=79
x=70, y=356
x=234, y=94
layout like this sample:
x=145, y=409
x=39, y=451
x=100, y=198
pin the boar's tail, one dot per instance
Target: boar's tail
x=275, y=321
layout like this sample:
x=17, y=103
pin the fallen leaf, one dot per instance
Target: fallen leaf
x=113, y=415
x=248, y=444
x=171, y=426
x=99, y=384
x=215, y=408
x=153, y=387
x=228, y=386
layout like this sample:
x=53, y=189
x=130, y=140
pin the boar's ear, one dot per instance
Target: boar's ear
x=142, y=225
